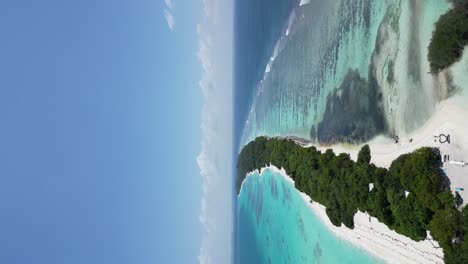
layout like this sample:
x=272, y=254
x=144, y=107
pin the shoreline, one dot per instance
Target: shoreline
x=449, y=118
x=377, y=239
x=373, y=237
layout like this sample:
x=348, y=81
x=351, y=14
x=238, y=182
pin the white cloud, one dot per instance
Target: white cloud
x=215, y=160
x=169, y=4
x=169, y=19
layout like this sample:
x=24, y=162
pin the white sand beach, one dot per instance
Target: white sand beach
x=374, y=236
x=450, y=118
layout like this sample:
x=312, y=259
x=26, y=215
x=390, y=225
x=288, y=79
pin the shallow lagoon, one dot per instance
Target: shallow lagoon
x=277, y=226
x=384, y=42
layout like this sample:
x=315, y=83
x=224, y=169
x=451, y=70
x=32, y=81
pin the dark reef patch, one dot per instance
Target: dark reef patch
x=414, y=59
x=317, y=253
x=313, y=134
x=390, y=74
x=353, y=112
x=249, y=248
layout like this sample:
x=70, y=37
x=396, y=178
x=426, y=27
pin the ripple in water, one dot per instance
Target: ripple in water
x=280, y=227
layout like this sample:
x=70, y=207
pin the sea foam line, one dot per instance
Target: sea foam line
x=279, y=46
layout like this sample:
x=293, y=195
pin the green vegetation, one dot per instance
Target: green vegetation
x=449, y=37
x=342, y=186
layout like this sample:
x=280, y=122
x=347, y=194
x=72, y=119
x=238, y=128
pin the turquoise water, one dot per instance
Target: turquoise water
x=290, y=80
x=277, y=226
x=384, y=41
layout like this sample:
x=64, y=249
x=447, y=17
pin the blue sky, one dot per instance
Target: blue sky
x=101, y=108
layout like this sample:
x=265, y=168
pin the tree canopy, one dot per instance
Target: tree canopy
x=342, y=186
x=449, y=37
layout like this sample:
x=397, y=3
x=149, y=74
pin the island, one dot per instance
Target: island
x=411, y=197
x=449, y=37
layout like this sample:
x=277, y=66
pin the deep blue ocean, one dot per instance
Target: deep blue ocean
x=257, y=27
